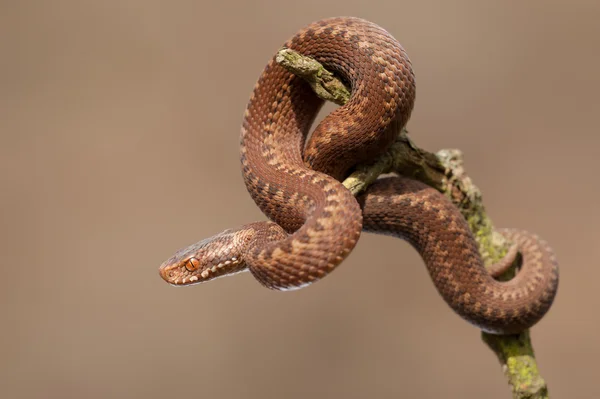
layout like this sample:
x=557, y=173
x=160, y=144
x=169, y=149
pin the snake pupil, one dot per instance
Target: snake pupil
x=192, y=264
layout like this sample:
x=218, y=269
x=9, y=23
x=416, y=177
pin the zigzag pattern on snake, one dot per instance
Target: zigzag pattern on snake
x=316, y=221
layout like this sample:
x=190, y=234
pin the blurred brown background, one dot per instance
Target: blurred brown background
x=119, y=144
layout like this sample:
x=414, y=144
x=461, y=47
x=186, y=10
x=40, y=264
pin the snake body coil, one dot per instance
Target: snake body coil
x=316, y=221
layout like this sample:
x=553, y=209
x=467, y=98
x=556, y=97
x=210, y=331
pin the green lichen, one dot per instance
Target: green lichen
x=516, y=354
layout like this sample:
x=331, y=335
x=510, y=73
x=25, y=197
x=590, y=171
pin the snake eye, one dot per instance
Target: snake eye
x=192, y=264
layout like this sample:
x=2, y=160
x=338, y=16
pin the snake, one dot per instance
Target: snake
x=314, y=222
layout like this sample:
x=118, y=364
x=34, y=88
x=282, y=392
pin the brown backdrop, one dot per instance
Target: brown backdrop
x=119, y=144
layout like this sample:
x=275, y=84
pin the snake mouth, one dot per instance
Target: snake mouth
x=179, y=274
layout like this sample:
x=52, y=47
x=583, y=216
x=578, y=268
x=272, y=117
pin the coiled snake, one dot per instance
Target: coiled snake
x=316, y=221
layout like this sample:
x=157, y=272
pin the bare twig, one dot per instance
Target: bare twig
x=445, y=172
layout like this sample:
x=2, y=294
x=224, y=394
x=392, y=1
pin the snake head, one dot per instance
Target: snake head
x=217, y=256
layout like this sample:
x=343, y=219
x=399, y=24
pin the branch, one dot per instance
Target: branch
x=321, y=80
x=445, y=172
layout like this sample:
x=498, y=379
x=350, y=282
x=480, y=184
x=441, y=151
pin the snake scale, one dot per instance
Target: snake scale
x=315, y=221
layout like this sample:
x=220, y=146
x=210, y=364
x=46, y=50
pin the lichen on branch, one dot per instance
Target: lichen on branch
x=445, y=172
x=320, y=79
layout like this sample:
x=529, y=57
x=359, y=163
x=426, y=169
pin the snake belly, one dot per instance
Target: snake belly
x=316, y=222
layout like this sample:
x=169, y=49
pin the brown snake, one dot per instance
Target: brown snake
x=316, y=221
